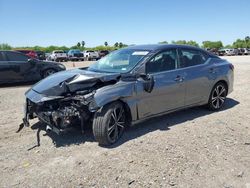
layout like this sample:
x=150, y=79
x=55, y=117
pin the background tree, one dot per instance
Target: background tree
x=116, y=44
x=5, y=47
x=83, y=44
x=247, y=39
x=163, y=42
x=212, y=44
x=240, y=43
x=120, y=44
x=105, y=43
x=78, y=45
x=191, y=42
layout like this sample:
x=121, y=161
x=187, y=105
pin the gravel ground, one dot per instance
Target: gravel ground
x=190, y=148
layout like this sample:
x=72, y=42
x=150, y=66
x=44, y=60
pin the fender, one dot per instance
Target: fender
x=122, y=90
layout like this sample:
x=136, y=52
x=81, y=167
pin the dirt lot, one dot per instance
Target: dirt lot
x=191, y=148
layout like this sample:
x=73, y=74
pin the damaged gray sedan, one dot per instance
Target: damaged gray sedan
x=128, y=86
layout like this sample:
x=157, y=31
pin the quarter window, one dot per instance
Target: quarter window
x=190, y=58
x=163, y=61
x=15, y=56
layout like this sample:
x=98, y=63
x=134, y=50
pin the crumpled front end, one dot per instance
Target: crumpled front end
x=59, y=113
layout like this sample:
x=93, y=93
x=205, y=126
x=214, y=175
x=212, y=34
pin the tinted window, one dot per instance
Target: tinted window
x=1, y=57
x=163, y=61
x=192, y=57
x=58, y=52
x=15, y=56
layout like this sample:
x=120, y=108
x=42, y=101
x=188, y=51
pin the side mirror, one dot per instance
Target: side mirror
x=148, y=82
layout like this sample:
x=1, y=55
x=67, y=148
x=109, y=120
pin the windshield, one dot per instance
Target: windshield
x=119, y=61
x=76, y=51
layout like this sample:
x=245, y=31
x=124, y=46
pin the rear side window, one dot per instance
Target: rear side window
x=1, y=56
x=190, y=58
x=15, y=56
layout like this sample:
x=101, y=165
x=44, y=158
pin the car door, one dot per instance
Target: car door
x=21, y=68
x=169, y=89
x=5, y=71
x=198, y=73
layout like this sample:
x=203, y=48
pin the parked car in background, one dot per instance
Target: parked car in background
x=213, y=51
x=47, y=55
x=221, y=52
x=75, y=55
x=240, y=51
x=41, y=55
x=128, y=86
x=18, y=67
x=228, y=52
x=30, y=53
x=58, y=55
x=90, y=55
x=246, y=51
x=103, y=53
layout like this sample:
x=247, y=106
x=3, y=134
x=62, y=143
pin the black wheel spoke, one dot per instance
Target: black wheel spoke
x=116, y=123
x=218, y=96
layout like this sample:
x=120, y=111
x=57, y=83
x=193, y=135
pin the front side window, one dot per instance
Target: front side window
x=163, y=61
x=190, y=58
x=119, y=61
x=15, y=56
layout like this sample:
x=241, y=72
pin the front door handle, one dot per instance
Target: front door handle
x=179, y=78
x=212, y=70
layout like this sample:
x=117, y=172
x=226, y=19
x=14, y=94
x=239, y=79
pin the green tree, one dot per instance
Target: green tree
x=239, y=43
x=192, y=43
x=83, y=44
x=163, y=42
x=78, y=45
x=247, y=39
x=106, y=43
x=212, y=44
x=184, y=42
x=116, y=44
x=5, y=46
x=120, y=45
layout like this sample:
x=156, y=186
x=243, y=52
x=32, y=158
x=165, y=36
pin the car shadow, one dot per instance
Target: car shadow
x=162, y=123
x=18, y=84
x=71, y=137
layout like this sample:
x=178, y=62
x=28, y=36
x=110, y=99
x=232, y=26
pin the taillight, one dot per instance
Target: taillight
x=231, y=66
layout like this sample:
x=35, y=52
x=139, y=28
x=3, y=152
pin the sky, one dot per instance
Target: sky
x=66, y=22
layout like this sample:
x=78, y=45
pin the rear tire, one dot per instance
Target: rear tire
x=217, y=97
x=109, y=123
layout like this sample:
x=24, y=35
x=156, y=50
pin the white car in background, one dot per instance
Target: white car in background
x=91, y=55
x=246, y=51
x=58, y=55
x=231, y=52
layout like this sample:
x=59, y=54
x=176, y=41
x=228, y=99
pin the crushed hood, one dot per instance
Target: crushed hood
x=71, y=81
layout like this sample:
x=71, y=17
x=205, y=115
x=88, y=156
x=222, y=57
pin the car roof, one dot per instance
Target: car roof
x=20, y=50
x=17, y=51
x=157, y=47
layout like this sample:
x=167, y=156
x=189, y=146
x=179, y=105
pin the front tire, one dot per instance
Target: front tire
x=48, y=72
x=217, y=97
x=109, y=123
